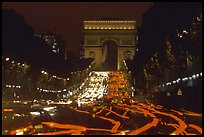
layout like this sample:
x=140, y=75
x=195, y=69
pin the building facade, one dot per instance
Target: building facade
x=50, y=39
x=109, y=42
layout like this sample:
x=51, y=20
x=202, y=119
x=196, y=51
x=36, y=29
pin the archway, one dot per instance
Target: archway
x=110, y=55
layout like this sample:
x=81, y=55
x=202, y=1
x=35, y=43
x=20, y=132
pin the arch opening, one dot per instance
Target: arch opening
x=110, y=56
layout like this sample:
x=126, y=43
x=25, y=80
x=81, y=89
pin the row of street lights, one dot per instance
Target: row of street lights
x=7, y=59
x=73, y=78
x=194, y=76
x=14, y=77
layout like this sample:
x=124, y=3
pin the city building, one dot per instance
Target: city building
x=50, y=39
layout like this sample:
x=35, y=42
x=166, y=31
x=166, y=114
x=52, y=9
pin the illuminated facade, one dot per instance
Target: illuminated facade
x=98, y=33
x=109, y=25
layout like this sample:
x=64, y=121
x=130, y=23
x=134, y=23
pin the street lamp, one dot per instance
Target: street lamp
x=7, y=59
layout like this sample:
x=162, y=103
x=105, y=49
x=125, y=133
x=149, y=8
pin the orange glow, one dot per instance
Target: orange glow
x=58, y=132
x=8, y=110
x=182, y=124
x=199, y=129
x=190, y=113
x=117, y=114
x=147, y=126
x=147, y=110
x=13, y=132
x=180, y=113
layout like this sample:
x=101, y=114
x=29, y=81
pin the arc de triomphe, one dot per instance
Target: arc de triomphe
x=109, y=42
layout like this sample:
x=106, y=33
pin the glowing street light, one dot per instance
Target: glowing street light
x=7, y=59
x=45, y=73
x=184, y=31
x=193, y=76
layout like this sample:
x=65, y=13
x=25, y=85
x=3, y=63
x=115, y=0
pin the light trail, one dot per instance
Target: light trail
x=190, y=113
x=117, y=114
x=65, y=126
x=125, y=113
x=14, y=132
x=95, y=88
x=100, y=110
x=58, y=132
x=109, y=111
x=146, y=127
x=178, y=112
x=116, y=123
x=182, y=124
x=199, y=129
x=7, y=110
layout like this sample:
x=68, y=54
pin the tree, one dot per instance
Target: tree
x=17, y=35
x=159, y=24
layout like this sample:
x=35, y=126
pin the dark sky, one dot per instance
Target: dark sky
x=67, y=17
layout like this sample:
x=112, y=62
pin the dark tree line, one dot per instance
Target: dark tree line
x=21, y=45
x=19, y=42
x=17, y=36
x=161, y=49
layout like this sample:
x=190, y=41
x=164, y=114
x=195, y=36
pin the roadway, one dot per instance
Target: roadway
x=104, y=106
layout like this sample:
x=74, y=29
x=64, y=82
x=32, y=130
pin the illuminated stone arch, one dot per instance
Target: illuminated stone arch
x=116, y=40
x=96, y=33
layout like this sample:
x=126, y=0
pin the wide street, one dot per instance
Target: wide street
x=103, y=105
x=105, y=68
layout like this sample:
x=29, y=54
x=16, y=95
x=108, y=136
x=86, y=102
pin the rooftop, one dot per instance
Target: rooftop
x=109, y=23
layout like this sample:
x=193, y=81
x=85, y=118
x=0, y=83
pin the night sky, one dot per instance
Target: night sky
x=66, y=18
